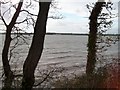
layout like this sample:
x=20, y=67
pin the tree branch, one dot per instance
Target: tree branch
x=44, y=79
x=29, y=13
x=3, y=21
x=15, y=16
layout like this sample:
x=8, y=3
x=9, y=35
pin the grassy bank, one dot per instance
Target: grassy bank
x=106, y=77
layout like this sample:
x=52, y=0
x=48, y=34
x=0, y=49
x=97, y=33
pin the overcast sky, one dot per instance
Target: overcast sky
x=75, y=17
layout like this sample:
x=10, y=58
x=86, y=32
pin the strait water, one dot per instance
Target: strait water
x=67, y=51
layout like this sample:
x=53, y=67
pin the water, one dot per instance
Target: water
x=68, y=51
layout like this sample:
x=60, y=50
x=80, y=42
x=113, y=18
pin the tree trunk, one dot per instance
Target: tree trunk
x=36, y=48
x=91, y=58
x=6, y=65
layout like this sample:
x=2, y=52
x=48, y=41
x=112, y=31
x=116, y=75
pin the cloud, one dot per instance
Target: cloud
x=77, y=8
x=75, y=16
x=67, y=26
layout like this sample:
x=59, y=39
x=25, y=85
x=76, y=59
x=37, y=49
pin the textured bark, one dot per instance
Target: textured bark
x=36, y=48
x=91, y=59
x=6, y=65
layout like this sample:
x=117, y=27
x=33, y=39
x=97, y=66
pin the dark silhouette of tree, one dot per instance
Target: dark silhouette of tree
x=93, y=26
x=7, y=70
x=36, y=48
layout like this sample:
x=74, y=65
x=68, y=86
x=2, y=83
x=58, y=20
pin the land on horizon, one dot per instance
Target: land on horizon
x=53, y=33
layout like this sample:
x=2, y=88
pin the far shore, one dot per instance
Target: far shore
x=66, y=34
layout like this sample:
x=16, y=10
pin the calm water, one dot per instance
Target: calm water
x=66, y=51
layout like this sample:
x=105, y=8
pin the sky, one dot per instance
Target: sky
x=75, y=16
x=75, y=19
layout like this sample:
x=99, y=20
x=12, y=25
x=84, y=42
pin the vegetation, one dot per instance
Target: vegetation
x=93, y=25
x=104, y=77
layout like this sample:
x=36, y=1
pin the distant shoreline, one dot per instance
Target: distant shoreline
x=66, y=34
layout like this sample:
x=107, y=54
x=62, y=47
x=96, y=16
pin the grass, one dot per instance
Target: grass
x=105, y=77
x=84, y=81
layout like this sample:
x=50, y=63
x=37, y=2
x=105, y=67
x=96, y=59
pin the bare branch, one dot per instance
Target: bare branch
x=3, y=21
x=7, y=10
x=2, y=17
x=44, y=79
x=25, y=20
x=56, y=17
x=16, y=14
x=1, y=2
x=29, y=13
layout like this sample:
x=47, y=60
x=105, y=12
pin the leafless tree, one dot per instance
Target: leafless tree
x=9, y=27
x=36, y=48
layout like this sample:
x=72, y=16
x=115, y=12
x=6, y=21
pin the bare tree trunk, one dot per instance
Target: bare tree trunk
x=6, y=66
x=36, y=46
x=91, y=58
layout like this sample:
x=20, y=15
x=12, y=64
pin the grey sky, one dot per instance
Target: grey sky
x=75, y=17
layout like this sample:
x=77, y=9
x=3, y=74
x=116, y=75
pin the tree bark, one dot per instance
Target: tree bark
x=36, y=48
x=6, y=65
x=91, y=58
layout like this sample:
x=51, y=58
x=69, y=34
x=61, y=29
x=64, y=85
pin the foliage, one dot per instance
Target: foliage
x=105, y=21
